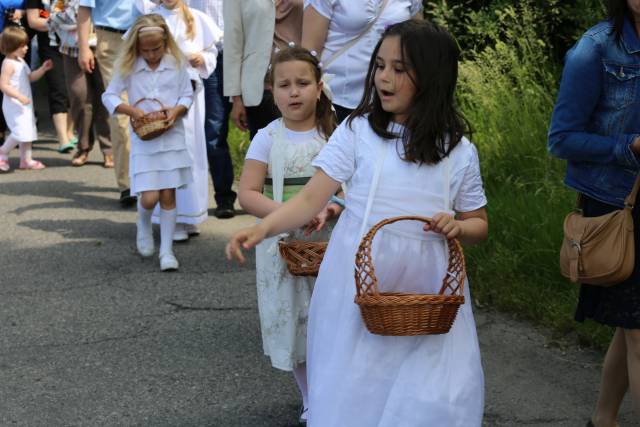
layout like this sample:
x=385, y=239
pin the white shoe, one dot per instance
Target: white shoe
x=192, y=230
x=303, y=415
x=144, y=242
x=168, y=262
x=180, y=234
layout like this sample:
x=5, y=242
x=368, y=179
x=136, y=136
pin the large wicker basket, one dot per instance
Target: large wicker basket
x=403, y=314
x=302, y=258
x=152, y=124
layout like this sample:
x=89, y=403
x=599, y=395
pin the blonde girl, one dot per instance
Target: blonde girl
x=17, y=104
x=196, y=35
x=151, y=66
x=277, y=165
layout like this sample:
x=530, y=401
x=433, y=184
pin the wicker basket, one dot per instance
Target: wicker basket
x=152, y=124
x=400, y=314
x=302, y=258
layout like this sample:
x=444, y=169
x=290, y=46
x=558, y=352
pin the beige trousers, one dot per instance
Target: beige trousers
x=107, y=49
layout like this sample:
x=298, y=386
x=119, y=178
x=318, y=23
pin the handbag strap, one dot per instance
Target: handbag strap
x=355, y=40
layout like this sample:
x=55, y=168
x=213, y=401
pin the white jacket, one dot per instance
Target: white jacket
x=248, y=40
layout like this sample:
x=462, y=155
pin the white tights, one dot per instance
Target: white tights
x=300, y=373
x=10, y=143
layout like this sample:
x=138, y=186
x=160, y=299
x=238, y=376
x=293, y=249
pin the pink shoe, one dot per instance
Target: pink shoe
x=33, y=165
x=4, y=166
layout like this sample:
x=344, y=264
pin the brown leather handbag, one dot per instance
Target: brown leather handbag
x=599, y=250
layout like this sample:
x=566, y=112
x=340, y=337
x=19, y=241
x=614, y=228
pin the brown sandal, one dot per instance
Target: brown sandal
x=80, y=158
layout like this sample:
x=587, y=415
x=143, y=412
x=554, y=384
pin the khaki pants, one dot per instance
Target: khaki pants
x=109, y=44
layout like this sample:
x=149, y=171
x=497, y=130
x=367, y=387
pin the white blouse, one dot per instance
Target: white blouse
x=347, y=20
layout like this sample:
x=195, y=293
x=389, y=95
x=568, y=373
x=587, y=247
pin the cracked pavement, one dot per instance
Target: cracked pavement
x=94, y=335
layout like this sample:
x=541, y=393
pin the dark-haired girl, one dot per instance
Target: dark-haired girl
x=277, y=165
x=401, y=153
x=596, y=128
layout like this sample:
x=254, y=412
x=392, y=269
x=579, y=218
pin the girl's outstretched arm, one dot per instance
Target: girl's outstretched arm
x=295, y=213
x=37, y=74
x=468, y=227
x=250, y=194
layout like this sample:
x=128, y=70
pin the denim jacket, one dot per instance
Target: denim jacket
x=597, y=114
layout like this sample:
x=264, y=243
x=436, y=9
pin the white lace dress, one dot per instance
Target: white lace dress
x=357, y=379
x=283, y=299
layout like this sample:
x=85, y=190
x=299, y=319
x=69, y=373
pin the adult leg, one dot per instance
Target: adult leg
x=632, y=338
x=107, y=50
x=615, y=381
x=57, y=94
x=100, y=117
x=260, y=116
x=216, y=127
x=80, y=111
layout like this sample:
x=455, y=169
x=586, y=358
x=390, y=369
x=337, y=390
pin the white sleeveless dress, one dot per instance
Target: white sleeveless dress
x=357, y=379
x=20, y=118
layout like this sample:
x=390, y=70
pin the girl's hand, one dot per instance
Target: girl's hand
x=47, y=65
x=332, y=210
x=445, y=224
x=196, y=60
x=24, y=100
x=173, y=114
x=137, y=113
x=246, y=238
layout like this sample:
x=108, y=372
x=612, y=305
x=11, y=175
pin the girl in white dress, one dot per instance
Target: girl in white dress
x=277, y=165
x=197, y=35
x=402, y=152
x=152, y=67
x=17, y=104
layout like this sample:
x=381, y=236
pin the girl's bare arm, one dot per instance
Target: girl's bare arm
x=5, y=85
x=250, y=194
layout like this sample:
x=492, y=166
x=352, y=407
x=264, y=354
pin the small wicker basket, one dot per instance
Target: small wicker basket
x=401, y=314
x=152, y=124
x=302, y=258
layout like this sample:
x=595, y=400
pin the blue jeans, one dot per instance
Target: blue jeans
x=216, y=129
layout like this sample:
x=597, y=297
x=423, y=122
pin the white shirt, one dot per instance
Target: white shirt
x=347, y=20
x=212, y=8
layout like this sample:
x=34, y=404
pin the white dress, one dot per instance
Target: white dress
x=283, y=299
x=162, y=162
x=192, y=202
x=20, y=118
x=365, y=380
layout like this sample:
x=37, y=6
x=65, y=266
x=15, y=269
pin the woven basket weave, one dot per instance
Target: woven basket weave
x=403, y=314
x=152, y=124
x=302, y=258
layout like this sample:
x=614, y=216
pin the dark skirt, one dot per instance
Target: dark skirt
x=617, y=305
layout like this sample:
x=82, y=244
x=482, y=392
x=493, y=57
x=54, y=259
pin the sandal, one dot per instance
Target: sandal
x=63, y=149
x=4, y=166
x=80, y=158
x=33, y=165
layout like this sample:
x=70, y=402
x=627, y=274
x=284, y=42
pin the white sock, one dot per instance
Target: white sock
x=9, y=144
x=167, y=228
x=144, y=218
x=26, y=152
x=300, y=373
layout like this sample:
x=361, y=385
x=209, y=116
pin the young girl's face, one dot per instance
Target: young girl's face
x=152, y=47
x=392, y=81
x=296, y=92
x=20, y=52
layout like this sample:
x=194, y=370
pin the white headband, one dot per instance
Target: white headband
x=150, y=29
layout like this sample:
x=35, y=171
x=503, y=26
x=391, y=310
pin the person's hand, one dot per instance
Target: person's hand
x=445, y=224
x=17, y=15
x=137, y=113
x=246, y=238
x=239, y=114
x=24, y=100
x=86, y=60
x=173, y=114
x=196, y=60
x=635, y=146
x=330, y=211
x=47, y=65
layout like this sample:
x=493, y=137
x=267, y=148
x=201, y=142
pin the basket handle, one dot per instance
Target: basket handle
x=367, y=242
x=149, y=99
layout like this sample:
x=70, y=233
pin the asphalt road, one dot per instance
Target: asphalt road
x=91, y=334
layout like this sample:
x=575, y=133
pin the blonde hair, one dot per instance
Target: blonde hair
x=129, y=54
x=188, y=20
x=12, y=39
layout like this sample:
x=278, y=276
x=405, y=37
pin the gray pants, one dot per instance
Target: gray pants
x=89, y=115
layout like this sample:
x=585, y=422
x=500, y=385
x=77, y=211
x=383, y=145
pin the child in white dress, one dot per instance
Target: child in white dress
x=152, y=69
x=408, y=133
x=278, y=164
x=17, y=103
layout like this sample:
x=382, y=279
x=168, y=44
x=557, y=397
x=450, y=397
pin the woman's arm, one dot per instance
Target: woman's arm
x=86, y=60
x=314, y=30
x=468, y=227
x=5, y=85
x=36, y=21
x=250, y=194
x=294, y=213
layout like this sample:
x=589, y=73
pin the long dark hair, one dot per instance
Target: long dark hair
x=325, y=117
x=618, y=11
x=434, y=126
